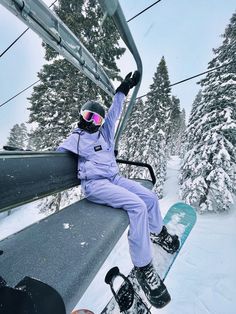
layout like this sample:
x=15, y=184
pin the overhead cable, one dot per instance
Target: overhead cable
x=14, y=42
x=20, y=35
x=192, y=77
x=5, y=102
x=132, y=18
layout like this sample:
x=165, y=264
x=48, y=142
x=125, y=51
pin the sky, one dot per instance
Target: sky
x=184, y=32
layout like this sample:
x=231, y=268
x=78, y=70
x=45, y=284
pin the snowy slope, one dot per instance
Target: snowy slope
x=202, y=279
x=21, y=217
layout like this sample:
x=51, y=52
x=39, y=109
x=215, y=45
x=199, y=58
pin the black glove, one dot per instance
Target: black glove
x=129, y=82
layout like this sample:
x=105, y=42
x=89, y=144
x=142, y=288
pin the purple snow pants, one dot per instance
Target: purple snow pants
x=141, y=205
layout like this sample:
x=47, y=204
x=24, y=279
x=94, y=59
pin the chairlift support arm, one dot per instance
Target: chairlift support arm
x=37, y=16
x=113, y=9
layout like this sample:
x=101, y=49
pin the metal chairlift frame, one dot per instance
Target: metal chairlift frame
x=44, y=22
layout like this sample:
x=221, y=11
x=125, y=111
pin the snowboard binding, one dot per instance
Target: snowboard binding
x=126, y=296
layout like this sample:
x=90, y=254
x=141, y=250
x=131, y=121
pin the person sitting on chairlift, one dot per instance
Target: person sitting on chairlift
x=93, y=142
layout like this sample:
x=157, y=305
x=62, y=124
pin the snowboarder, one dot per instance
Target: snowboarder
x=93, y=142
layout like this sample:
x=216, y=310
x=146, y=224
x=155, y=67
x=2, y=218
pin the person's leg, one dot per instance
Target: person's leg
x=159, y=233
x=105, y=192
x=150, y=199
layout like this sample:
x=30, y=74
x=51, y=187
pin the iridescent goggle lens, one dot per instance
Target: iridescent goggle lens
x=90, y=116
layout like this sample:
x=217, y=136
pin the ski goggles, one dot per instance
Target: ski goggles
x=94, y=117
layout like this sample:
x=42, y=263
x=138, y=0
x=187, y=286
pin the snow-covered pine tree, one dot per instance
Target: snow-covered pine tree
x=34, y=142
x=190, y=137
x=208, y=172
x=18, y=136
x=56, y=101
x=182, y=131
x=191, y=140
x=132, y=142
x=176, y=127
x=147, y=133
x=156, y=122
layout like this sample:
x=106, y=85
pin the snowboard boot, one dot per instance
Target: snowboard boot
x=152, y=285
x=170, y=243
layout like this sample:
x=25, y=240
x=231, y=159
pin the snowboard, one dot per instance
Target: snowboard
x=180, y=220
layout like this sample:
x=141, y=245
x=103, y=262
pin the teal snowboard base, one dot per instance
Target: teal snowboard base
x=180, y=220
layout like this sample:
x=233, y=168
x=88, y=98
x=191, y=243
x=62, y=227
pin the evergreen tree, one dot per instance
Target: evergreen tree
x=191, y=134
x=157, y=122
x=132, y=142
x=146, y=135
x=191, y=140
x=208, y=172
x=35, y=143
x=18, y=136
x=56, y=101
x=182, y=132
x=158, y=104
x=176, y=127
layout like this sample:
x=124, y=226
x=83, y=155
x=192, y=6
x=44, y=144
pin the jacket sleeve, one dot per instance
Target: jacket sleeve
x=69, y=144
x=113, y=115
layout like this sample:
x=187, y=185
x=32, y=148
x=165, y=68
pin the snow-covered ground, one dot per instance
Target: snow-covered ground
x=22, y=217
x=202, y=279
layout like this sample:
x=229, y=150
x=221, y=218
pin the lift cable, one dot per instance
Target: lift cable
x=177, y=83
x=14, y=42
x=5, y=102
x=192, y=77
x=132, y=18
x=21, y=35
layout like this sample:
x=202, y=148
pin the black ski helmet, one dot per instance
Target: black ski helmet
x=95, y=107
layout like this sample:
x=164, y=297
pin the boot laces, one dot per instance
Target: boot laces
x=169, y=239
x=152, y=277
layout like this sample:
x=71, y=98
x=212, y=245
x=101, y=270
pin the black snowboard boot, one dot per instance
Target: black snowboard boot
x=170, y=243
x=152, y=285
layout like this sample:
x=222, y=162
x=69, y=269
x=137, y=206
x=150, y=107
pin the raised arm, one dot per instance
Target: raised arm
x=114, y=114
x=118, y=101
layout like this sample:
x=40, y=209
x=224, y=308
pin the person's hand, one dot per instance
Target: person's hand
x=129, y=82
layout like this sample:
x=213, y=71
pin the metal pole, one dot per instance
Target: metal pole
x=113, y=9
